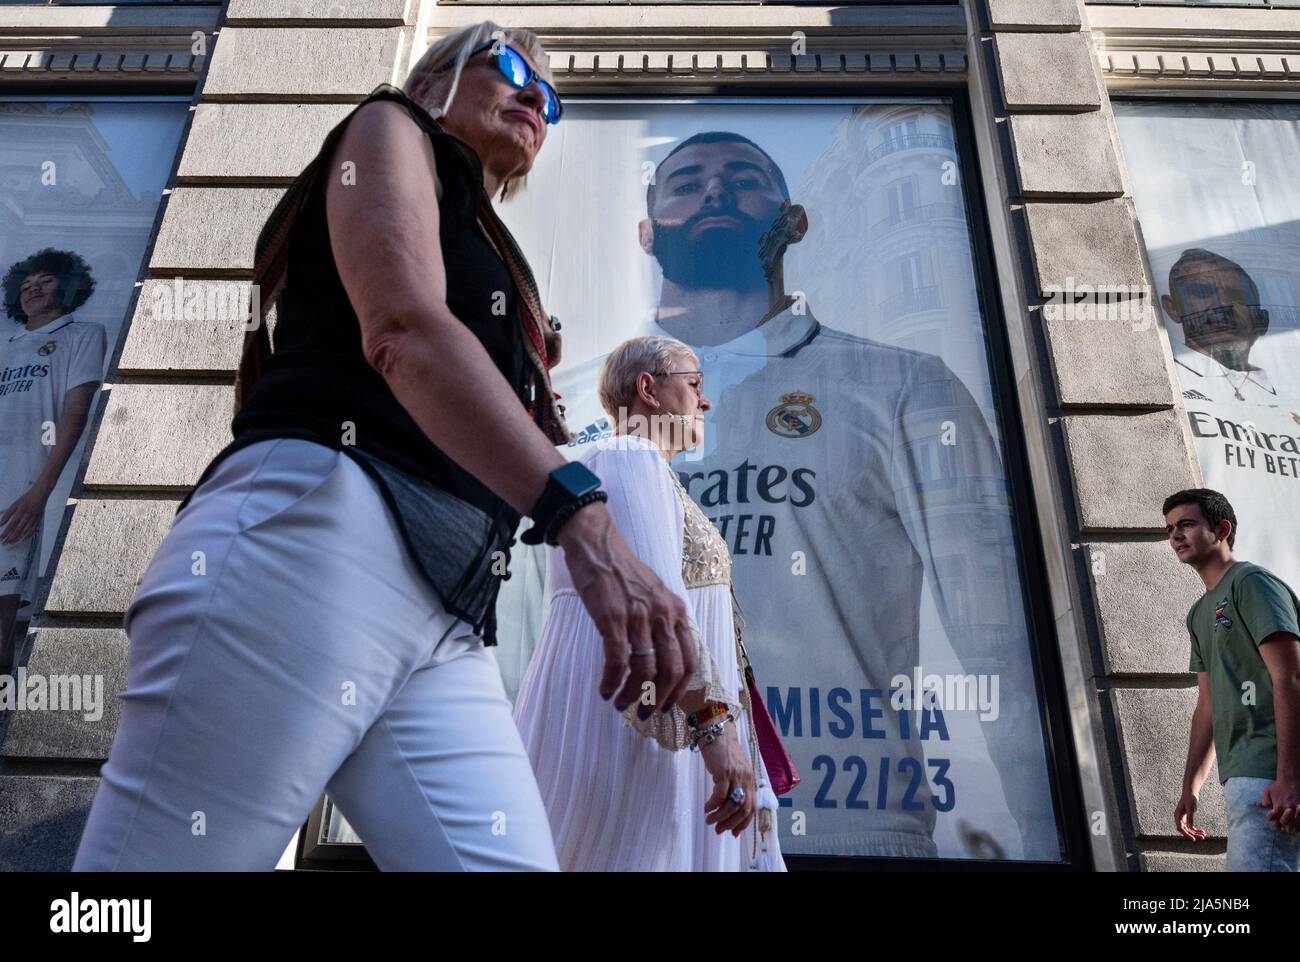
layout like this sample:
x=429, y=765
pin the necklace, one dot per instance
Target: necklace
x=1236, y=387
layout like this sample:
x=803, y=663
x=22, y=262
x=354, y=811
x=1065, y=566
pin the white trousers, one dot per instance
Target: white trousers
x=283, y=644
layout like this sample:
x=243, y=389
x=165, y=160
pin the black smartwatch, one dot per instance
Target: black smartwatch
x=568, y=488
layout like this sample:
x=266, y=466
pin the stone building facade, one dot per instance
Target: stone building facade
x=1101, y=418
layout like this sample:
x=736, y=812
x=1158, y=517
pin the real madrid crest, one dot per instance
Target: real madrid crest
x=795, y=416
x=47, y=348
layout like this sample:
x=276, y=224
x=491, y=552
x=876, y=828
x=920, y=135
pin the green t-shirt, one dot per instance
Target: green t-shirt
x=1226, y=625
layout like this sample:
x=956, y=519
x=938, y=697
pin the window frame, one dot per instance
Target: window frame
x=1062, y=763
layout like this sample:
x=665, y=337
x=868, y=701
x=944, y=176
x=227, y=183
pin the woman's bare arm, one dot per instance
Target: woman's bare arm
x=384, y=233
x=383, y=228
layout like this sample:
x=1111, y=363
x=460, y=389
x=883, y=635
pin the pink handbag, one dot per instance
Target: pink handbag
x=780, y=766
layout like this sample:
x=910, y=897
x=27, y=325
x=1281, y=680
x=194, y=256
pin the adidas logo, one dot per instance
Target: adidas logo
x=596, y=431
x=1195, y=396
x=10, y=575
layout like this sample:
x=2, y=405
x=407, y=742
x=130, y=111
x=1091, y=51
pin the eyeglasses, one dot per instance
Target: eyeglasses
x=1204, y=322
x=517, y=70
x=698, y=385
x=1223, y=313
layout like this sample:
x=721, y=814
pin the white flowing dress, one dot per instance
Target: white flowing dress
x=623, y=795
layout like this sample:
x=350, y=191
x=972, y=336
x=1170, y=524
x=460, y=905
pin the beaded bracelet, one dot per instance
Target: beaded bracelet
x=710, y=711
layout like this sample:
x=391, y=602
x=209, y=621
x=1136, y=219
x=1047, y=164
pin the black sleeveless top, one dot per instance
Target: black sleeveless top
x=318, y=385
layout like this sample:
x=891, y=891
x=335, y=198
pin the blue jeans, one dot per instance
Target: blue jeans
x=1254, y=845
x=284, y=644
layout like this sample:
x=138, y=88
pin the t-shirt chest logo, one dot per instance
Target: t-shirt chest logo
x=47, y=348
x=1221, y=619
x=795, y=416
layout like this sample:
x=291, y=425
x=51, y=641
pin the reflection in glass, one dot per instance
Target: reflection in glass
x=1219, y=202
x=335, y=828
x=818, y=259
x=81, y=183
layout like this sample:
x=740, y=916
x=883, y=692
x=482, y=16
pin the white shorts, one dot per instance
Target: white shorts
x=283, y=644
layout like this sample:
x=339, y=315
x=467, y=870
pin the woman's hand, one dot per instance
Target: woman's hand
x=729, y=767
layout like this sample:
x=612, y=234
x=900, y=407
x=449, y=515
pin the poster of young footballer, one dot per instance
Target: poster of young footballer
x=82, y=182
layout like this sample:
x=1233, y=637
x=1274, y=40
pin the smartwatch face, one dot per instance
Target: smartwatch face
x=576, y=479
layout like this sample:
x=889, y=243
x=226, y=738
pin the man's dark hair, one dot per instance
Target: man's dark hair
x=75, y=281
x=1213, y=505
x=714, y=137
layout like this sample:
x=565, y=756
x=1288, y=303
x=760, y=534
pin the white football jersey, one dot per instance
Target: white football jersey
x=1207, y=378
x=37, y=369
x=1247, y=436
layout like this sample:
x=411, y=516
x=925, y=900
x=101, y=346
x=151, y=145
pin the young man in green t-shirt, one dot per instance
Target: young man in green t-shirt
x=1246, y=655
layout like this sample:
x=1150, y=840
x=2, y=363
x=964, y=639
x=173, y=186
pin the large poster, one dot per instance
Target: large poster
x=817, y=257
x=81, y=185
x=1219, y=203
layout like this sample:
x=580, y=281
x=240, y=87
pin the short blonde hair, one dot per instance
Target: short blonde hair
x=455, y=48
x=617, y=382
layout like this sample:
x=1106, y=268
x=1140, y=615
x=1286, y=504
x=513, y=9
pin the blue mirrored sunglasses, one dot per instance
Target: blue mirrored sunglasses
x=517, y=70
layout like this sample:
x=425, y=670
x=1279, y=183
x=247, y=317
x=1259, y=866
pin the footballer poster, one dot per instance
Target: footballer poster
x=1219, y=204
x=817, y=258
x=82, y=183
